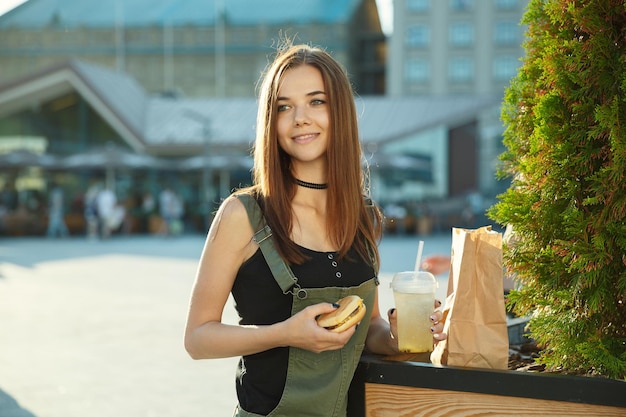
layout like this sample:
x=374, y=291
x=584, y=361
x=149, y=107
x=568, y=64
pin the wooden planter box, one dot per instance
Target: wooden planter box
x=388, y=388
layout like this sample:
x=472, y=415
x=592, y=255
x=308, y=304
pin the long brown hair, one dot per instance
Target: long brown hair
x=350, y=222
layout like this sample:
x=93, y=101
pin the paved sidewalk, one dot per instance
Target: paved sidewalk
x=95, y=329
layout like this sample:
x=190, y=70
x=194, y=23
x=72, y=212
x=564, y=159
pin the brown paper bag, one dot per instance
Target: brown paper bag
x=474, y=313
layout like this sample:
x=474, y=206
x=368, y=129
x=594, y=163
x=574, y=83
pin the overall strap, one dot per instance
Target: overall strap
x=282, y=273
x=369, y=205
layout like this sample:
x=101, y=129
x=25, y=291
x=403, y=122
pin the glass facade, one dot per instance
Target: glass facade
x=418, y=36
x=417, y=70
x=68, y=124
x=418, y=5
x=505, y=67
x=461, y=5
x=506, y=33
x=461, y=34
x=461, y=69
x=442, y=32
x=506, y=4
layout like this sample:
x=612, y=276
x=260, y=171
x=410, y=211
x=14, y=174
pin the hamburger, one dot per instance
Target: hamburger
x=351, y=310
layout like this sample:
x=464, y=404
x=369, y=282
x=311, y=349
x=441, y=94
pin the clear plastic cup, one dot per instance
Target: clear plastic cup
x=414, y=295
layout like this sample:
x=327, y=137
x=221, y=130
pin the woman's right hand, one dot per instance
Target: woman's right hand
x=303, y=331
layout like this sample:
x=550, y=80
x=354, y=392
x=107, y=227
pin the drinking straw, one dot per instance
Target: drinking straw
x=418, y=260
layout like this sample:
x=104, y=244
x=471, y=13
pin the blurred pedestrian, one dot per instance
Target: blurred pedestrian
x=90, y=210
x=171, y=211
x=106, y=203
x=177, y=210
x=56, y=213
x=148, y=208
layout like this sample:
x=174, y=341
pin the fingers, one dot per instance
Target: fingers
x=436, y=328
x=392, y=315
x=440, y=336
x=321, y=308
x=437, y=325
x=305, y=332
x=436, y=317
x=333, y=341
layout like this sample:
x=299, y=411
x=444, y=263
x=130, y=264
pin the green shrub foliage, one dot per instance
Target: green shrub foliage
x=565, y=134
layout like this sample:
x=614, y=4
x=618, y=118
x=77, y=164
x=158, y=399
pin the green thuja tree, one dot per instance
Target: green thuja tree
x=565, y=136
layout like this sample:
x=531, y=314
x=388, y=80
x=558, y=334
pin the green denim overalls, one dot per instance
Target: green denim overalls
x=317, y=383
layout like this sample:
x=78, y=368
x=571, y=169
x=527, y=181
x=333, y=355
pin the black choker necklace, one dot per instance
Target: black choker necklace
x=311, y=185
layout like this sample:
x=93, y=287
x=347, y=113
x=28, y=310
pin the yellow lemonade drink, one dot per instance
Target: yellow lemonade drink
x=414, y=324
x=414, y=295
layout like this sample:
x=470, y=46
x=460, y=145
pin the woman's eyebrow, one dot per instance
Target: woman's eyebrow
x=312, y=93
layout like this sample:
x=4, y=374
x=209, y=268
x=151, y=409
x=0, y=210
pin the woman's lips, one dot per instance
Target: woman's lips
x=306, y=138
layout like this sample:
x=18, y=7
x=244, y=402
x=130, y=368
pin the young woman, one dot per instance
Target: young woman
x=309, y=184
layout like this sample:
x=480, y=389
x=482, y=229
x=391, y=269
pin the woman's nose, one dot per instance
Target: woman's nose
x=300, y=116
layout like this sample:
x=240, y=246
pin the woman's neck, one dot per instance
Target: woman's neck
x=313, y=172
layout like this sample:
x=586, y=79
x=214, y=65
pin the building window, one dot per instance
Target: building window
x=461, y=34
x=461, y=5
x=417, y=71
x=506, y=4
x=461, y=69
x=506, y=33
x=505, y=67
x=418, y=36
x=418, y=5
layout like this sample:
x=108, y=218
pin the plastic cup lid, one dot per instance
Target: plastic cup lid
x=411, y=282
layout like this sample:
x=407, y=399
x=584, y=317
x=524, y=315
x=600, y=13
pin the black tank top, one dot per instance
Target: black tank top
x=259, y=300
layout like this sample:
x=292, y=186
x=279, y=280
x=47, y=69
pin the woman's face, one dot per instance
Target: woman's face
x=303, y=115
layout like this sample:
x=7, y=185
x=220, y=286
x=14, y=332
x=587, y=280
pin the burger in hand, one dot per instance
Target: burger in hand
x=351, y=310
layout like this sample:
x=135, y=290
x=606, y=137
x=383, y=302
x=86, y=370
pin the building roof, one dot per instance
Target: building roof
x=159, y=124
x=108, y=13
x=116, y=96
x=384, y=119
x=227, y=122
x=118, y=91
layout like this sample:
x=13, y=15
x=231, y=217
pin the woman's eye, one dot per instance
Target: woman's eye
x=318, y=102
x=283, y=107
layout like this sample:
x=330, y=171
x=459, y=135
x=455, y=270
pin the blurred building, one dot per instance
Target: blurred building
x=146, y=94
x=459, y=48
x=78, y=123
x=445, y=47
x=193, y=47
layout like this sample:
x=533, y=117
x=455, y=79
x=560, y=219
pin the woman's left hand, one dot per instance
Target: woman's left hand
x=437, y=323
x=436, y=319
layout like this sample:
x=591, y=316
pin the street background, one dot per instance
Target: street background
x=95, y=328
